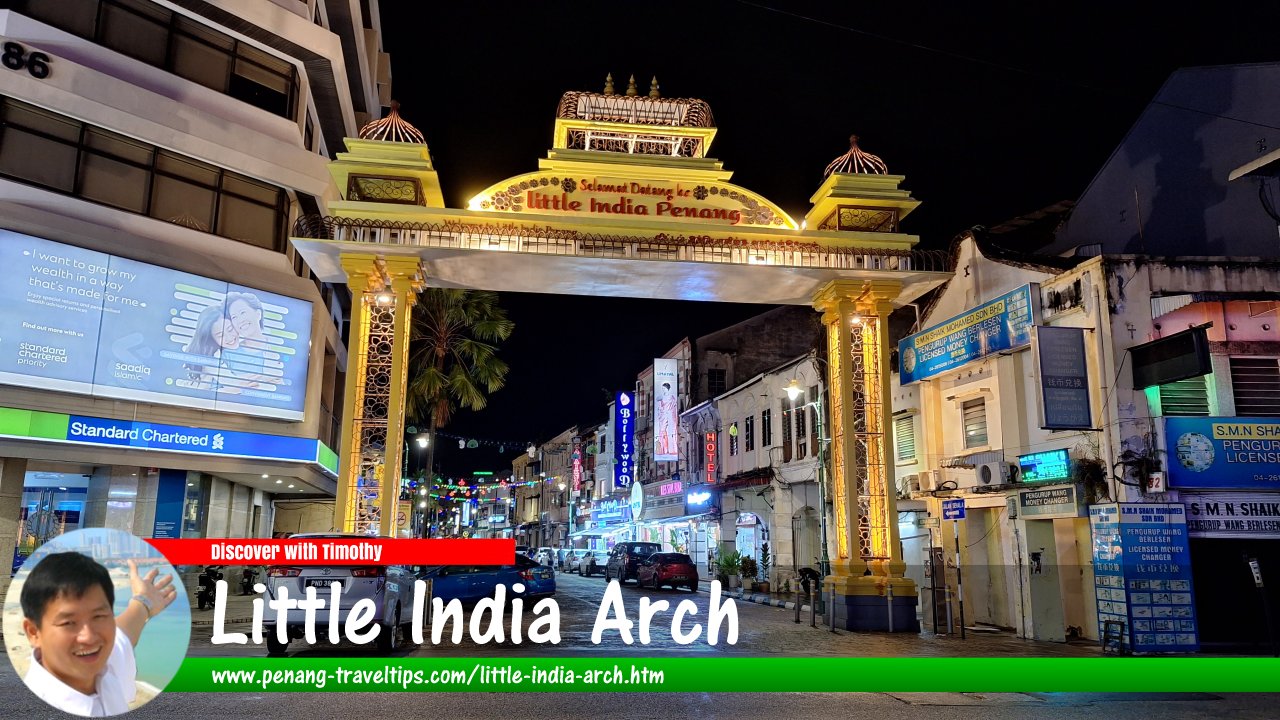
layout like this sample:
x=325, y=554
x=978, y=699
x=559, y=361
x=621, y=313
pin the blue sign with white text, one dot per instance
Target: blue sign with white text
x=205, y=441
x=1001, y=324
x=624, y=440
x=953, y=509
x=1142, y=574
x=1241, y=453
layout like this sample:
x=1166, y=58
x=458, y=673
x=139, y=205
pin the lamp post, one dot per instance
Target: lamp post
x=793, y=391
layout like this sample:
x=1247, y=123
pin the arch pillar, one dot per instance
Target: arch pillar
x=867, y=572
x=383, y=291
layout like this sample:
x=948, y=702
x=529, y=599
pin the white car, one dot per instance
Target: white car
x=389, y=586
x=545, y=556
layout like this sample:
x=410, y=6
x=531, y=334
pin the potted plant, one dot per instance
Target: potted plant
x=749, y=571
x=763, y=585
x=728, y=565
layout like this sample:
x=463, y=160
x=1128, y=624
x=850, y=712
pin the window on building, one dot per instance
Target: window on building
x=157, y=36
x=786, y=429
x=604, y=445
x=904, y=434
x=766, y=428
x=1255, y=383
x=802, y=437
x=733, y=439
x=1185, y=397
x=68, y=156
x=749, y=430
x=975, y=423
x=716, y=382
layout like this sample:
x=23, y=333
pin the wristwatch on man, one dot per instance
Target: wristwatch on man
x=145, y=603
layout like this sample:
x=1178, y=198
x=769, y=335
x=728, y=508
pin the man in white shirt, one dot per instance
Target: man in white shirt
x=80, y=664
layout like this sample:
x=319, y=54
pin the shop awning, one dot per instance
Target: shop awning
x=674, y=520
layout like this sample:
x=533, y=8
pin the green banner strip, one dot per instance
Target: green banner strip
x=34, y=424
x=712, y=674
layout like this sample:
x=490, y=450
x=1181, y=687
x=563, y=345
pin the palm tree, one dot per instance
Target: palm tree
x=453, y=357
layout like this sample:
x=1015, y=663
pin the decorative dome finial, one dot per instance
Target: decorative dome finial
x=653, y=88
x=608, y=84
x=631, y=87
x=856, y=161
x=392, y=128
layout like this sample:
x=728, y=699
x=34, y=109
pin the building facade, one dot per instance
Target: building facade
x=1189, y=430
x=152, y=161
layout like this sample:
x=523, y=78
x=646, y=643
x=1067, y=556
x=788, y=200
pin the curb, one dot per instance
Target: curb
x=765, y=600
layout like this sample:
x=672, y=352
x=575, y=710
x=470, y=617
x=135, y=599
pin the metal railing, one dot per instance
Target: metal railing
x=554, y=241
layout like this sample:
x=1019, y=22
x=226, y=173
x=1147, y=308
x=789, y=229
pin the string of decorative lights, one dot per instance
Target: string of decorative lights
x=465, y=442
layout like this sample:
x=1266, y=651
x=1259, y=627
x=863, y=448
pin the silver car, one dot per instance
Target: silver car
x=390, y=587
x=574, y=559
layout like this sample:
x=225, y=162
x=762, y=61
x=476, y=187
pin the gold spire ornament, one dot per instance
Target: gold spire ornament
x=653, y=88
x=631, y=87
x=392, y=128
x=855, y=161
x=608, y=84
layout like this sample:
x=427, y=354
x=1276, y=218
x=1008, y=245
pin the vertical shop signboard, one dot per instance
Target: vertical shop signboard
x=171, y=493
x=1142, y=574
x=624, y=439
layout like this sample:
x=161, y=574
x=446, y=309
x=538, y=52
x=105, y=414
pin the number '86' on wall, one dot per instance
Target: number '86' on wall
x=15, y=57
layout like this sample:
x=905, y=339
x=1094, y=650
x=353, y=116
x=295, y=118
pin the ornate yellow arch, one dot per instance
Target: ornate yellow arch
x=584, y=194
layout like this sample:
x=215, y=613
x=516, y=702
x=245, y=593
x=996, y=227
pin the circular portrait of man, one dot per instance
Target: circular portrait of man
x=95, y=622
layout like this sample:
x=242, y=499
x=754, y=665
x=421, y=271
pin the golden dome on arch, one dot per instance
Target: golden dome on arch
x=392, y=128
x=856, y=162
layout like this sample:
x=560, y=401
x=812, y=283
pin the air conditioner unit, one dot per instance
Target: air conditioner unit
x=914, y=482
x=995, y=473
x=930, y=480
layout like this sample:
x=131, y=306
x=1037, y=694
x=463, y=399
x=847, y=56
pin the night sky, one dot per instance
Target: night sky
x=989, y=113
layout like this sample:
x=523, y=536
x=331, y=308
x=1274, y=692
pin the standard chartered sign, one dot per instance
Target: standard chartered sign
x=56, y=427
x=148, y=435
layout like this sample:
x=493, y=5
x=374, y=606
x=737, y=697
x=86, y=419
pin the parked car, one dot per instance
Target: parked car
x=522, y=550
x=573, y=560
x=469, y=583
x=545, y=556
x=390, y=587
x=674, y=569
x=624, y=559
x=594, y=562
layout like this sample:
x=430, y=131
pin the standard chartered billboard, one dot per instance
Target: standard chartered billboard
x=87, y=322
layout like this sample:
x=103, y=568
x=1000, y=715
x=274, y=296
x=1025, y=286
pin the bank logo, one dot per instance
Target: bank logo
x=1195, y=452
x=218, y=441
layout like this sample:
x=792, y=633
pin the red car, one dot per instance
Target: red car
x=674, y=569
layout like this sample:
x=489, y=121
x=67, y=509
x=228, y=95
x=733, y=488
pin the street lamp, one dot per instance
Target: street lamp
x=793, y=391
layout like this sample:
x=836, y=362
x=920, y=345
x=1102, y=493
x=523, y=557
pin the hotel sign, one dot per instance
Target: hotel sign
x=552, y=193
x=711, y=458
